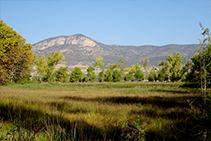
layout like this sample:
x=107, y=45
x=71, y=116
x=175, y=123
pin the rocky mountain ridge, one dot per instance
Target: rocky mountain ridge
x=82, y=49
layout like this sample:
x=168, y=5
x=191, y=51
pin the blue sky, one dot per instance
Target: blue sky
x=122, y=22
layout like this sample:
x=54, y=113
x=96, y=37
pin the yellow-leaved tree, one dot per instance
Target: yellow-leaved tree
x=46, y=68
x=16, y=57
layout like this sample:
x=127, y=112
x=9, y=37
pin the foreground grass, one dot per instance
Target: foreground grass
x=116, y=111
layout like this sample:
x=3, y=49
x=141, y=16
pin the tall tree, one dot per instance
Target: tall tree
x=16, y=57
x=137, y=66
x=139, y=75
x=201, y=69
x=45, y=68
x=53, y=60
x=204, y=63
x=42, y=66
x=113, y=66
x=91, y=74
x=101, y=76
x=121, y=66
x=117, y=76
x=164, y=71
x=175, y=62
x=76, y=75
x=129, y=77
x=146, y=65
x=133, y=69
x=152, y=76
x=108, y=75
x=62, y=75
x=99, y=62
x=186, y=70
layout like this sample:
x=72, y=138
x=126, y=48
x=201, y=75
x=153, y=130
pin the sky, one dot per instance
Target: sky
x=121, y=22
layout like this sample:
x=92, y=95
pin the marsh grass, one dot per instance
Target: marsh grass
x=97, y=111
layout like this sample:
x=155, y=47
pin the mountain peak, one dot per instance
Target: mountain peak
x=78, y=40
x=78, y=34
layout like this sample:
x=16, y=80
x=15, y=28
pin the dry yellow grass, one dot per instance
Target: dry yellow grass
x=105, y=106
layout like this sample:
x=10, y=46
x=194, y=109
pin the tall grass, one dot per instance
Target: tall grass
x=91, y=111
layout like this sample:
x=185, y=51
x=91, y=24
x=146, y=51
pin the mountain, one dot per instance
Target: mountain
x=82, y=49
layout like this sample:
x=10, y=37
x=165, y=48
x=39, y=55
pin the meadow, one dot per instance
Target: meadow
x=100, y=111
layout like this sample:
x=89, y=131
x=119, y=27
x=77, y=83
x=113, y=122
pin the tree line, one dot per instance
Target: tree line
x=17, y=61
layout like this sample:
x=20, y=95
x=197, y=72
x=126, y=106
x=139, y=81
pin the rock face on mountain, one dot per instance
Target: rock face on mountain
x=81, y=49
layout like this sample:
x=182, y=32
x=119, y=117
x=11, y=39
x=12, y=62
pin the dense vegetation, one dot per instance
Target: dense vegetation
x=90, y=111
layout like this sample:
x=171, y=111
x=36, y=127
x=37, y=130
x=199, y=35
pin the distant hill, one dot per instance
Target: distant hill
x=82, y=49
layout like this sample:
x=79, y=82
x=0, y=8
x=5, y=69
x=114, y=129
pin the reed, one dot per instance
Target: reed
x=91, y=111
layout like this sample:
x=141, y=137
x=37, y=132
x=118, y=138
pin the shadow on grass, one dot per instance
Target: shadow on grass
x=174, y=91
x=162, y=102
x=66, y=107
x=36, y=121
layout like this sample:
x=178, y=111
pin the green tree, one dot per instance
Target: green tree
x=45, y=68
x=108, y=75
x=137, y=66
x=121, y=66
x=146, y=65
x=175, y=62
x=117, y=76
x=91, y=74
x=42, y=66
x=93, y=77
x=53, y=60
x=186, y=71
x=201, y=69
x=133, y=69
x=85, y=79
x=16, y=57
x=113, y=66
x=152, y=75
x=62, y=75
x=164, y=71
x=76, y=75
x=129, y=77
x=139, y=75
x=98, y=62
x=102, y=76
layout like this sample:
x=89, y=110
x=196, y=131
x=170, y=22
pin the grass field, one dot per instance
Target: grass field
x=99, y=111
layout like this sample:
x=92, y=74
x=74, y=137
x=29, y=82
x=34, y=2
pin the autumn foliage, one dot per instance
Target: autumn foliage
x=16, y=57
